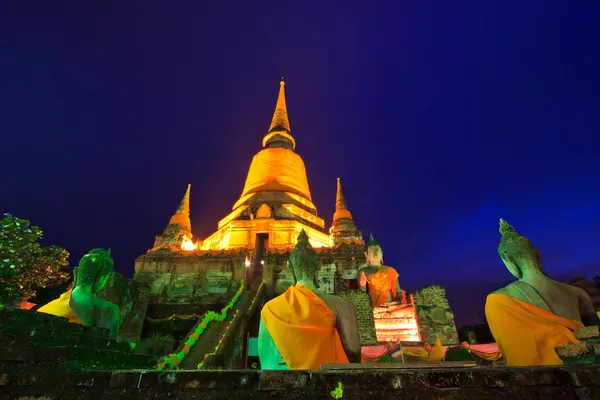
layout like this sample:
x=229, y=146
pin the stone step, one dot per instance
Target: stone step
x=38, y=338
x=88, y=358
x=13, y=319
x=55, y=330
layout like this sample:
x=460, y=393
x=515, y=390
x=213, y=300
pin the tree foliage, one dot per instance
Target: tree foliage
x=24, y=264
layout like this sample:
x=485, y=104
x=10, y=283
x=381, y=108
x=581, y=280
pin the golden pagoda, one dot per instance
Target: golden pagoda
x=275, y=204
x=254, y=242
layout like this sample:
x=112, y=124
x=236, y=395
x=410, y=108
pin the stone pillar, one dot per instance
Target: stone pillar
x=434, y=316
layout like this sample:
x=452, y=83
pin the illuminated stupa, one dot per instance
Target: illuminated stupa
x=253, y=243
x=275, y=203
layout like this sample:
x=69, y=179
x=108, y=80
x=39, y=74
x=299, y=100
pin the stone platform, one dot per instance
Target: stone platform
x=29, y=339
x=489, y=383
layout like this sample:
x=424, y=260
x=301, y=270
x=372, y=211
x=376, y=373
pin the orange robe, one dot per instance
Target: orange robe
x=60, y=308
x=381, y=284
x=303, y=329
x=526, y=334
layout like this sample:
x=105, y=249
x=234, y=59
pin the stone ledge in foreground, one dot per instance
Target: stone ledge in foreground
x=570, y=382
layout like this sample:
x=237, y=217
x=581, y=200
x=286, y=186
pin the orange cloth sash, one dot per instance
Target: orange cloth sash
x=303, y=329
x=526, y=334
x=60, y=308
x=381, y=284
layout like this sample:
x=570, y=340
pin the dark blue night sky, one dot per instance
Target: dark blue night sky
x=440, y=117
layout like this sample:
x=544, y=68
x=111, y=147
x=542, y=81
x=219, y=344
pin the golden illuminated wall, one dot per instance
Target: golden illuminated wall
x=277, y=169
x=283, y=234
x=397, y=323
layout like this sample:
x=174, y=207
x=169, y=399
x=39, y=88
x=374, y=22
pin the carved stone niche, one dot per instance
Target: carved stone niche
x=263, y=212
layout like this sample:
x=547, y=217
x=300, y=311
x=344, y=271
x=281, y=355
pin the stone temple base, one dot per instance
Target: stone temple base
x=473, y=383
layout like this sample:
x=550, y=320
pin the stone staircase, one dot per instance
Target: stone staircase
x=29, y=338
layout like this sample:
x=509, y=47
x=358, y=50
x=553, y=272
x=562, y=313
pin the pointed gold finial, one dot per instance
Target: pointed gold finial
x=280, y=117
x=341, y=207
x=340, y=201
x=182, y=215
x=184, y=206
x=279, y=134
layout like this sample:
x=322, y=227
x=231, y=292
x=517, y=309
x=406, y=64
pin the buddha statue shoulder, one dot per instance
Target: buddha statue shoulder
x=380, y=281
x=535, y=303
x=81, y=303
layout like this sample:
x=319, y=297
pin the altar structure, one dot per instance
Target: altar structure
x=254, y=241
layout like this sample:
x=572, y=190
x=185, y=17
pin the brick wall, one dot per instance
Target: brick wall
x=177, y=278
x=435, y=317
x=32, y=339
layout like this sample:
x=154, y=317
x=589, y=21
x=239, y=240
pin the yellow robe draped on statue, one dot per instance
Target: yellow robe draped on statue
x=526, y=334
x=303, y=329
x=381, y=284
x=60, y=308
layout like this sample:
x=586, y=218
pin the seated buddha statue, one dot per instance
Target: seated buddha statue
x=529, y=318
x=379, y=280
x=303, y=328
x=80, y=304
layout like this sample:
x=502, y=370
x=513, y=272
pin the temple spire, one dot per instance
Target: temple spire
x=280, y=134
x=340, y=201
x=182, y=215
x=280, y=117
x=178, y=232
x=343, y=226
x=341, y=207
x=184, y=206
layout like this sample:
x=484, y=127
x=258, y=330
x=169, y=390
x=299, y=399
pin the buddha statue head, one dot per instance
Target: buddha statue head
x=303, y=260
x=517, y=252
x=93, y=270
x=373, y=252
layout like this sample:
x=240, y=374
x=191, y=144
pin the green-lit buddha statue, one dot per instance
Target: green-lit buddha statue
x=81, y=304
x=381, y=281
x=303, y=328
x=531, y=317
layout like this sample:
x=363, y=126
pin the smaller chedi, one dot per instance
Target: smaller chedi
x=304, y=328
x=529, y=318
x=81, y=304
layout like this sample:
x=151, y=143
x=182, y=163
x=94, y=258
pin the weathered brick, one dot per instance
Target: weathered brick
x=572, y=350
x=587, y=332
x=563, y=383
x=435, y=317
